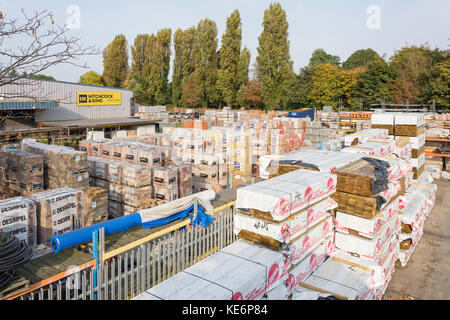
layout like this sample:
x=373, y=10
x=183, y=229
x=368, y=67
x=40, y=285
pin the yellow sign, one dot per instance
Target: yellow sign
x=98, y=98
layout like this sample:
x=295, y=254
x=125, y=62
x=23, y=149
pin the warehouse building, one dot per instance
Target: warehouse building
x=37, y=100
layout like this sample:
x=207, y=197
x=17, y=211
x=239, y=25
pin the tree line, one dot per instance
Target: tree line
x=204, y=75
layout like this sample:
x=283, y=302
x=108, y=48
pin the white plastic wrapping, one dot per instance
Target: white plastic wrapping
x=287, y=230
x=287, y=194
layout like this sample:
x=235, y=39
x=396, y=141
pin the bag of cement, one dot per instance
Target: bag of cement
x=18, y=218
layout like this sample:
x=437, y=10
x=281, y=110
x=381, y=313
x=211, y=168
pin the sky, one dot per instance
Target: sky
x=339, y=27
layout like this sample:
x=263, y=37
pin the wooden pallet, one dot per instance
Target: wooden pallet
x=19, y=283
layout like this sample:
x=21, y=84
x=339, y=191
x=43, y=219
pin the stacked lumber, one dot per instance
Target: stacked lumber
x=365, y=135
x=382, y=121
x=58, y=211
x=290, y=214
x=21, y=173
x=18, y=218
x=63, y=166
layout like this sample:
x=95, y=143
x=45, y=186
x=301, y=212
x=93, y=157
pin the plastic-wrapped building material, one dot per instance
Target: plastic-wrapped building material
x=287, y=194
x=364, y=247
x=374, y=147
x=56, y=211
x=364, y=135
x=18, y=218
x=238, y=272
x=324, y=161
x=346, y=223
x=284, y=231
x=340, y=280
x=311, y=239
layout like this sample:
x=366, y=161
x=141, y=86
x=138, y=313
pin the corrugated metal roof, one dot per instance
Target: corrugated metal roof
x=27, y=105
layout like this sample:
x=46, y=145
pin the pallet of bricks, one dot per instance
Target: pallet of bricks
x=63, y=166
x=134, y=176
x=21, y=173
x=267, y=264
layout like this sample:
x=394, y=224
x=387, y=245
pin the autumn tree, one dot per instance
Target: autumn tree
x=347, y=84
x=189, y=93
x=115, y=62
x=274, y=61
x=320, y=56
x=360, y=58
x=325, y=85
x=242, y=75
x=92, y=78
x=436, y=84
x=228, y=73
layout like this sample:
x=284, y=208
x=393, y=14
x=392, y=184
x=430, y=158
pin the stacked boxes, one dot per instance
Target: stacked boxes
x=18, y=218
x=22, y=173
x=184, y=177
x=165, y=183
x=95, y=206
x=63, y=166
x=58, y=211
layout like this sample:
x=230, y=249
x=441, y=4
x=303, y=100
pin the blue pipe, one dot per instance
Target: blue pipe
x=74, y=238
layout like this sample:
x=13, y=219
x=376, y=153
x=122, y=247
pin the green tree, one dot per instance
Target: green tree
x=42, y=77
x=115, y=62
x=436, y=84
x=347, y=87
x=206, y=61
x=161, y=64
x=177, y=73
x=274, y=61
x=139, y=62
x=375, y=83
x=227, y=75
x=189, y=93
x=319, y=56
x=243, y=68
x=92, y=78
x=360, y=58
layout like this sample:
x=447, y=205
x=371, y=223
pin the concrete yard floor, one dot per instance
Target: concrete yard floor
x=427, y=274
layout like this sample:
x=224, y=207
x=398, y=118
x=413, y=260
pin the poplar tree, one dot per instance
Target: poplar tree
x=161, y=65
x=228, y=73
x=139, y=62
x=243, y=65
x=177, y=73
x=274, y=61
x=206, y=60
x=115, y=62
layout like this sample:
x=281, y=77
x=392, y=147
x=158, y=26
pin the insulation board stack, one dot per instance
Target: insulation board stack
x=367, y=222
x=21, y=173
x=240, y=271
x=418, y=203
x=58, y=211
x=383, y=121
x=18, y=218
x=364, y=135
x=291, y=214
x=63, y=166
x=412, y=125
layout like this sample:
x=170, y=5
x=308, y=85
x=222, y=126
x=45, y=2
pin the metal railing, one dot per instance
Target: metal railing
x=134, y=271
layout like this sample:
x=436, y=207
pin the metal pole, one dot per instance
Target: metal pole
x=95, y=256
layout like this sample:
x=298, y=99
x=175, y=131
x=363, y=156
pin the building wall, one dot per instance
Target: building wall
x=66, y=93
